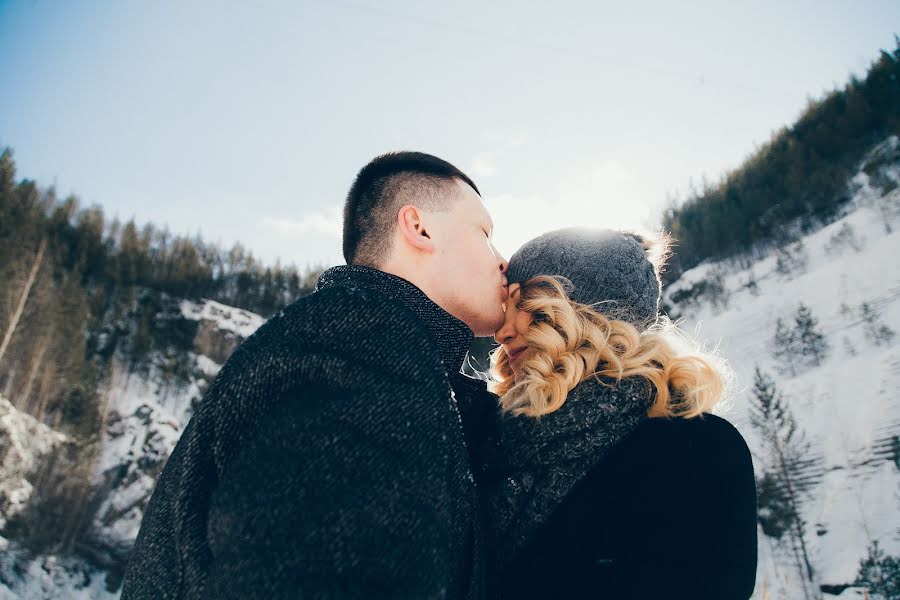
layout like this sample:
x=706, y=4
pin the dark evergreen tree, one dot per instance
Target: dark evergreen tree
x=792, y=260
x=880, y=573
x=752, y=284
x=875, y=330
x=843, y=239
x=784, y=476
x=811, y=343
x=774, y=507
x=785, y=346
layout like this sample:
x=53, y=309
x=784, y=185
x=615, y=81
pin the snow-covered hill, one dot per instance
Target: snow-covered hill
x=848, y=405
x=143, y=420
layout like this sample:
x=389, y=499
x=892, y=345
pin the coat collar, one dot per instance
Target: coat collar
x=546, y=457
x=452, y=336
x=581, y=429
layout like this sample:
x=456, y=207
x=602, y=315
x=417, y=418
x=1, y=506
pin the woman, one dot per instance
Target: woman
x=617, y=482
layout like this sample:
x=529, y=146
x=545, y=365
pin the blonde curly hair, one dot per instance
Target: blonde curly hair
x=570, y=342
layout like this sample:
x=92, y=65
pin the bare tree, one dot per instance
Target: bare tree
x=26, y=290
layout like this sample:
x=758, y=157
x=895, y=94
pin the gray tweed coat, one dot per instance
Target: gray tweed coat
x=327, y=460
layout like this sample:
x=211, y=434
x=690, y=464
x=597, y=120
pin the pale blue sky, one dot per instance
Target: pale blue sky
x=248, y=120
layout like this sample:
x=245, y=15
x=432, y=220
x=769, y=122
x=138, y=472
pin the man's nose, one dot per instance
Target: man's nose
x=504, y=265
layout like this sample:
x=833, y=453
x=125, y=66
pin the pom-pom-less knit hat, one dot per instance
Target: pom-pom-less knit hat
x=608, y=269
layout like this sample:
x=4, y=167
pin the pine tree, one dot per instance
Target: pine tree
x=811, y=342
x=783, y=475
x=786, y=346
x=843, y=238
x=752, y=284
x=791, y=260
x=874, y=328
x=880, y=573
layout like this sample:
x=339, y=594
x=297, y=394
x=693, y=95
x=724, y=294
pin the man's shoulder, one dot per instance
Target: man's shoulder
x=344, y=303
x=337, y=353
x=345, y=319
x=332, y=337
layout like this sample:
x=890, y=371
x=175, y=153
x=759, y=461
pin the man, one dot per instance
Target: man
x=328, y=459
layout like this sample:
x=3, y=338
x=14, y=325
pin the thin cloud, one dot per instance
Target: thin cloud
x=483, y=165
x=325, y=222
x=496, y=146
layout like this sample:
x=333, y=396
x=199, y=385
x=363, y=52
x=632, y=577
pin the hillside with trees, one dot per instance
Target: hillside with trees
x=794, y=183
x=83, y=298
x=80, y=288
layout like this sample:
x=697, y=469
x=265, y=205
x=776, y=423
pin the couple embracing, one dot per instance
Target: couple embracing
x=342, y=452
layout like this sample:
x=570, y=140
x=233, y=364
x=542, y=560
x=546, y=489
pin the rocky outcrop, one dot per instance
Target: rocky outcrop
x=144, y=419
x=25, y=444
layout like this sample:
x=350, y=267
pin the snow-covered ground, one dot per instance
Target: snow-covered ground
x=24, y=443
x=227, y=318
x=848, y=406
x=49, y=577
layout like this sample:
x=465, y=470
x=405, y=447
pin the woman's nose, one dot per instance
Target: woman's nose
x=507, y=331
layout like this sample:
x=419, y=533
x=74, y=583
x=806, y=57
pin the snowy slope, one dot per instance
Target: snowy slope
x=24, y=443
x=143, y=420
x=848, y=406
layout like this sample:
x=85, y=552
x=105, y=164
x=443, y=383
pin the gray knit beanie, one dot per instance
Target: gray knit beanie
x=608, y=269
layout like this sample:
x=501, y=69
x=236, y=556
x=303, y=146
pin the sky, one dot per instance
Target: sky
x=247, y=121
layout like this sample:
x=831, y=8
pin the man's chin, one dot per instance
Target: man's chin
x=489, y=327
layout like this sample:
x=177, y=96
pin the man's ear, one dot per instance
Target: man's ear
x=411, y=221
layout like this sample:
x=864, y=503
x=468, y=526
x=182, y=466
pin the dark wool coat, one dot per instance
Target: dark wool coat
x=544, y=458
x=327, y=460
x=670, y=513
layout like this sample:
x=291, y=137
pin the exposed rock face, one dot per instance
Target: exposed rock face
x=221, y=329
x=145, y=417
x=214, y=343
x=25, y=444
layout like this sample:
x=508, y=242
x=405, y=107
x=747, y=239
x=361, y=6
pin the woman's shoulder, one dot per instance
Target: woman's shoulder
x=702, y=432
x=707, y=424
x=705, y=444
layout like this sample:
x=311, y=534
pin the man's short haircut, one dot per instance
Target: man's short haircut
x=383, y=186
